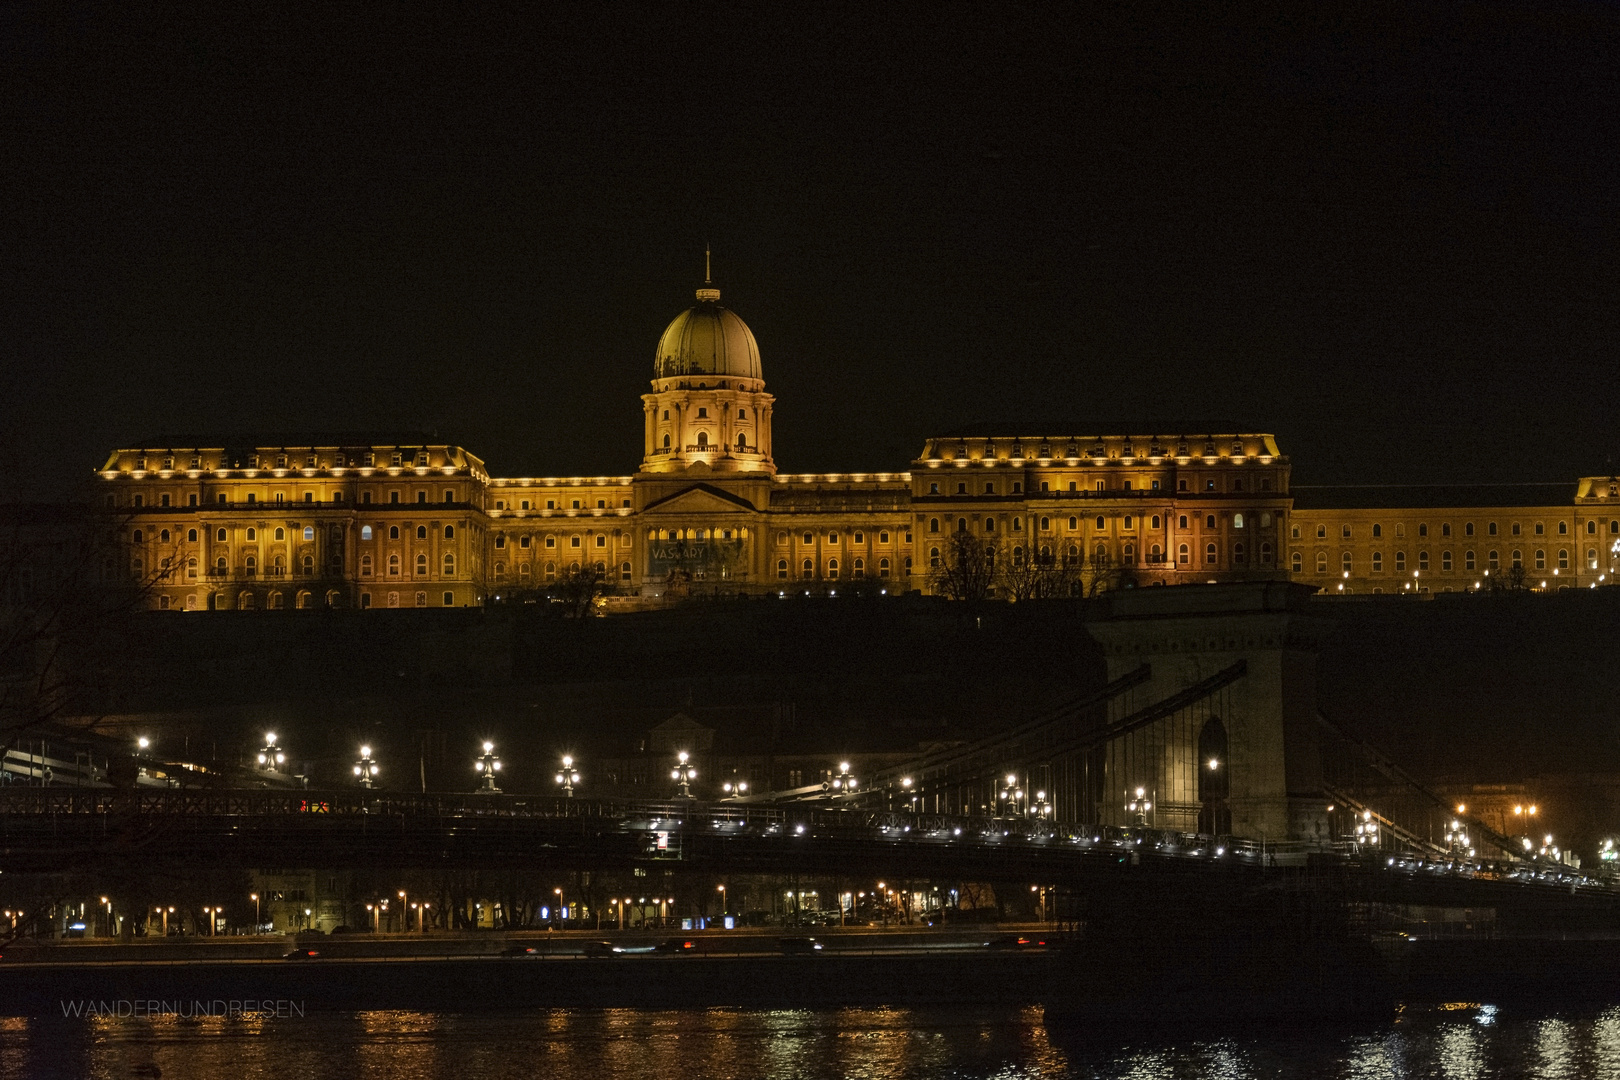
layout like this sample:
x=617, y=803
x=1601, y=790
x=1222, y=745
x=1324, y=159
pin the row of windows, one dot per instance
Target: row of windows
x=285, y=461
x=251, y=498
x=1182, y=485
x=1155, y=555
x=449, y=563
x=703, y=410
x=1492, y=559
x=279, y=533
x=703, y=443
x=857, y=537
x=1129, y=522
x=524, y=572
x=1514, y=529
x=551, y=504
x=599, y=540
x=807, y=569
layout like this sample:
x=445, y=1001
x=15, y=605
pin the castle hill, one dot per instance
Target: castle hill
x=351, y=700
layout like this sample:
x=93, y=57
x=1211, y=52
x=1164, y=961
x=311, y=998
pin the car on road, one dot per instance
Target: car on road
x=302, y=954
x=799, y=946
x=597, y=948
x=678, y=946
x=519, y=950
x=1014, y=941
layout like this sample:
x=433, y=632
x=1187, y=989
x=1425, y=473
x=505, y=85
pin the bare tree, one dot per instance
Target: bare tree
x=966, y=569
x=578, y=588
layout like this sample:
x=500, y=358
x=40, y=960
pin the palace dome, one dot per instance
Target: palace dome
x=707, y=340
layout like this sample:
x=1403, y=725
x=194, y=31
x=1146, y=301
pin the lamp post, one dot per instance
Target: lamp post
x=683, y=774
x=1366, y=830
x=271, y=757
x=257, y=922
x=842, y=781
x=374, y=913
x=365, y=770
x=1138, y=805
x=561, y=921
x=908, y=794
x=724, y=909
x=568, y=776
x=487, y=766
x=1012, y=794
x=404, y=913
x=735, y=789
x=1457, y=838
x=421, y=917
x=1041, y=807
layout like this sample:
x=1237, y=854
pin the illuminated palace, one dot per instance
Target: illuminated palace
x=404, y=521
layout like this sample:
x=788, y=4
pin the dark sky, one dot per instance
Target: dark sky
x=1385, y=232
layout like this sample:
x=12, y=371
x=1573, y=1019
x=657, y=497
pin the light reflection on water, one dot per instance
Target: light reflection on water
x=1459, y=1042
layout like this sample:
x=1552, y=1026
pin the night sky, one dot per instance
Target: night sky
x=1385, y=232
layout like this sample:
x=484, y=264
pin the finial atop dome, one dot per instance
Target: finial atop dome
x=708, y=292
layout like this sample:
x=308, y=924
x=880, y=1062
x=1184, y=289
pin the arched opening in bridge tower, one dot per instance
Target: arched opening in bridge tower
x=1213, y=814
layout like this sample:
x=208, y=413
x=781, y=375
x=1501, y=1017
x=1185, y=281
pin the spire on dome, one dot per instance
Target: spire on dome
x=708, y=292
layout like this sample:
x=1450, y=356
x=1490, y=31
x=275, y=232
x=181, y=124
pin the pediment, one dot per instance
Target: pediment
x=701, y=499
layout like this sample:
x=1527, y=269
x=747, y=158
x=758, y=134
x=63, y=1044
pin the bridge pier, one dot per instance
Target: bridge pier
x=1246, y=760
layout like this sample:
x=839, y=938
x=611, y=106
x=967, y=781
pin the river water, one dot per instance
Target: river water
x=1461, y=1041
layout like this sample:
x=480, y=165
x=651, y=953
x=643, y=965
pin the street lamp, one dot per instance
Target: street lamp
x=683, y=774
x=143, y=743
x=270, y=756
x=735, y=789
x=569, y=776
x=724, y=909
x=257, y=922
x=421, y=917
x=1138, y=805
x=1366, y=830
x=1012, y=794
x=561, y=920
x=404, y=913
x=1457, y=838
x=365, y=769
x=1041, y=807
x=842, y=781
x=911, y=796
x=487, y=766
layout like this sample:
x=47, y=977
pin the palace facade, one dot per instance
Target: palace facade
x=400, y=520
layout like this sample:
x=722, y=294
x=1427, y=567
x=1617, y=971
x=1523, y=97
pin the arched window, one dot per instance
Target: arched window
x=421, y=532
x=1518, y=558
x=781, y=568
x=961, y=524
x=281, y=534
x=624, y=571
x=309, y=532
x=1209, y=555
x=1130, y=555
x=989, y=524
x=883, y=568
x=1265, y=554
x=449, y=532
x=1493, y=560
x=244, y=601
x=500, y=571
x=1238, y=554
x=365, y=532
x=1297, y=562
x=703, y=439
x=393, y=566
x=808, y=570
x=742, y=414
x=832, y=569
x=137, y=537
x=393, y=532
x=1378, y=562
x=860, y=567
x=933, y=527
x=219, y=566
x=933, y=557
x=421, y=566
x=365, y=565
x=191, y=567
x=275, y=600
x=742, y=442
x=1237, y=521
x=1321, y=562
x=308, y=564
x=551, y=571
x=191, y=536
x=449, y=565
x=809, y=538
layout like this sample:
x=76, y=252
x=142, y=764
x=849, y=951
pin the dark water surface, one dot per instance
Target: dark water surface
x=1457, y=1042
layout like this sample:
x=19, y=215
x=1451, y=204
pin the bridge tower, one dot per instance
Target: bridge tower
x=1244, y=760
